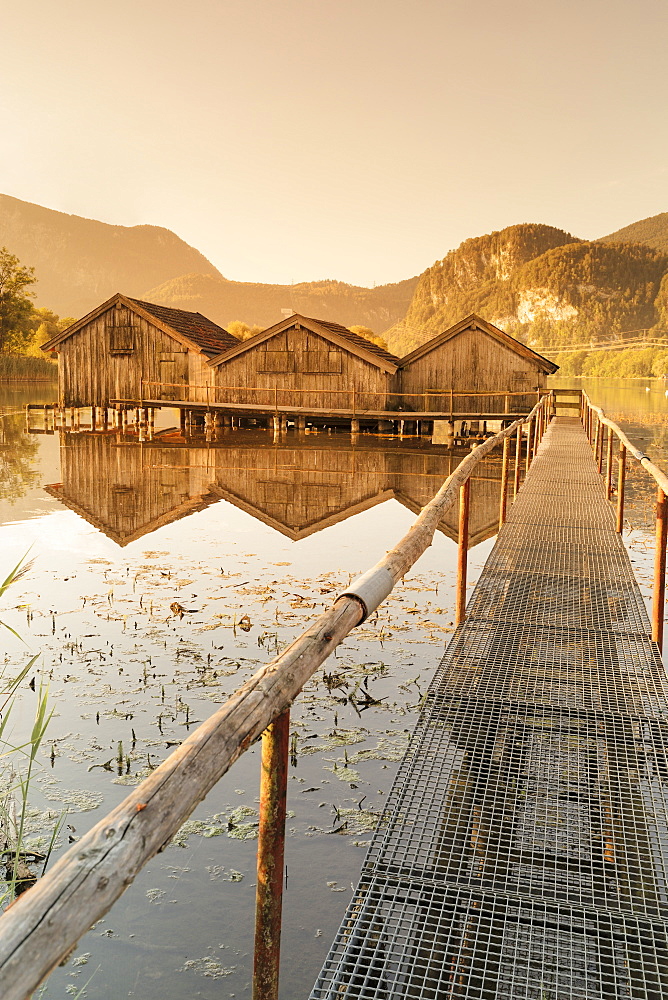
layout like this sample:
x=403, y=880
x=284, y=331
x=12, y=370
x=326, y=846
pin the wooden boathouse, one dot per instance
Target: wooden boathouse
x=130, y=354
x=311, y=363
x=475, y=357
x=106, y=354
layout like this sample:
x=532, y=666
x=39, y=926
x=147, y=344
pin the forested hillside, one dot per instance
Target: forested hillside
x=653, y=232
x=541, y=284
x=568, y=293
x=473, y=278
x=80, y=262
x=258, y=304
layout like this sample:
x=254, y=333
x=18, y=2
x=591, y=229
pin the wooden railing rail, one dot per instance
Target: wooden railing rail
x=273, y=394
x=367, y=392
x=595, y=423
x=43, y=925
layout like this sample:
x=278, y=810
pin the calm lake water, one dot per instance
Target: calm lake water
x=252, y=539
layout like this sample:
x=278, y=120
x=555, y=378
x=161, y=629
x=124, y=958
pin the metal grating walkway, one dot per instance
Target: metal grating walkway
x=523, y=852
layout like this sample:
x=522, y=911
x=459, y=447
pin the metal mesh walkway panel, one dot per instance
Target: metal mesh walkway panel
x=523, y=851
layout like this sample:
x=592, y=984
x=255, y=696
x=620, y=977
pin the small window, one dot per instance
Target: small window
x=122, y=339
x=322, y=363
x=124, y=500
x=521, y=379
x=277, y=492
x=275, y=362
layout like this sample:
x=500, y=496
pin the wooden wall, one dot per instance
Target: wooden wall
x=93, y=366
x=127, y=491
x=300, y=489
x=471, y=362
x=297, y=359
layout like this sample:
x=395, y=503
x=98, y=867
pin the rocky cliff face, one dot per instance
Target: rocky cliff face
x=475, y=277
x=540, y=284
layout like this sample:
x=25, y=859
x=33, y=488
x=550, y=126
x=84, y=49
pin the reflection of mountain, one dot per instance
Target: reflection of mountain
x=127, y=489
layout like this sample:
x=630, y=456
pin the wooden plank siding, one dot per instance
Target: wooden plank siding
x=297, y=367
x=126, y=489
x=90, y=373
x=471, y=362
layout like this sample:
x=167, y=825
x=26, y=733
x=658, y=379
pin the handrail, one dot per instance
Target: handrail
x=44, y=923
x=595, y=422
x=657, y=474
x=366, y=392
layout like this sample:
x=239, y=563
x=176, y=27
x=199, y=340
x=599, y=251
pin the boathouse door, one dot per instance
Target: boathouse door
x=173, y=375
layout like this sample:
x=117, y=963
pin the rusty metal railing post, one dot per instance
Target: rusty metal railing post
x=527, y=462
x=462, y=551
x=621, y=483
x=270, y=857
x=659, y=589
x=518, y=454
x=505, y=462
x=608, y=467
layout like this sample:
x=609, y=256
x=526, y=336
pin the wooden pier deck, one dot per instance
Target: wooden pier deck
x=315, y=412
x=523, y=851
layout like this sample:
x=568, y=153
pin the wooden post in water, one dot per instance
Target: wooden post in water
x=608, y=467
x=271, y=857
x=659, y=590
x=596, y=437
x=599, y=457
x=462, y=551
x=518, y=455
x=504, y=481
x=621, y=482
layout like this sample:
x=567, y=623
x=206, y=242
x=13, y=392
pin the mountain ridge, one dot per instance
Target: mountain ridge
x=223, y=300
x=543, y=284
x=653, y=231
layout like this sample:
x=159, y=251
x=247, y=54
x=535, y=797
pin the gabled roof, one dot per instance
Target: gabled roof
x=474, y=322
x=334, y=332
x=193, y=330
x=190, y=506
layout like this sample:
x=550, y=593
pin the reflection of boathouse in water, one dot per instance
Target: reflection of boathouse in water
x=127, y=489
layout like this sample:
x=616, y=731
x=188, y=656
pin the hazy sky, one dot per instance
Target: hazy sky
x=361, y=140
